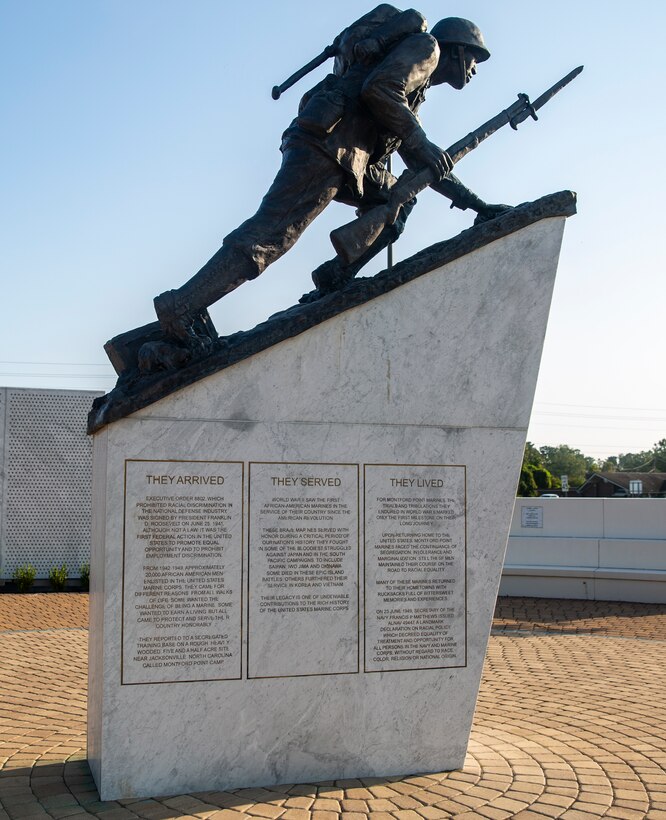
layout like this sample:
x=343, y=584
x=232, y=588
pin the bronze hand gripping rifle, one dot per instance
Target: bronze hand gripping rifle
x=351, y=241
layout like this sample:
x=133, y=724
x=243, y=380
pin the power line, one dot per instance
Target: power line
x=600, y=406
x=597, y=416
x=537, y=423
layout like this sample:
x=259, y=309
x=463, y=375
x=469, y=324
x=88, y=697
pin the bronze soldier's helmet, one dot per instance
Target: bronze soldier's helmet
x=456, y=31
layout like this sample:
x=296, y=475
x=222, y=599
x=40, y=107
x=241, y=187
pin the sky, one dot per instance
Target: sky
x=137, y=133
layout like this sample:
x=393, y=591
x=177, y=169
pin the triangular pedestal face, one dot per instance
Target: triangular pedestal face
x=296, y=558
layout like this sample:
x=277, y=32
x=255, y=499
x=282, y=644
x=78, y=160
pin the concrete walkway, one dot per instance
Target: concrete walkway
x=571, y=723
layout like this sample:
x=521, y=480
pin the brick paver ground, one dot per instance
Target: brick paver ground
x=571, y=723
x=45, y=610
x=618, y=618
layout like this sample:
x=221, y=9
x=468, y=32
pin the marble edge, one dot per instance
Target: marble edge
x=281, y=326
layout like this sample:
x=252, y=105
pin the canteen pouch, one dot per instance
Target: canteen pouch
x=322, y=109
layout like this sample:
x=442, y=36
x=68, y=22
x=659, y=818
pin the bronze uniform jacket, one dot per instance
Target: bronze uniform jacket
x=360, y=117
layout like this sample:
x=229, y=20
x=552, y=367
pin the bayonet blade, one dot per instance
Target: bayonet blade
x=546, y=96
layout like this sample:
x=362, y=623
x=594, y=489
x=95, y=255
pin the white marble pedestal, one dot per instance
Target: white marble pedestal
x=296, y=559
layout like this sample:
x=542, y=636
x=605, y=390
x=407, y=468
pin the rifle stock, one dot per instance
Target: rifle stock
x=351, y=241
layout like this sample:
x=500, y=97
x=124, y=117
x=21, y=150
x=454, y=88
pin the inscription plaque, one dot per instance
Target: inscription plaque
x=531, y=517
x=182, y=570
x=415, y=567
x=303, y=569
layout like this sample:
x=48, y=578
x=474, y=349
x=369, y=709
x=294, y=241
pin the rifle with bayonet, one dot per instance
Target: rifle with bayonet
x=351, y=241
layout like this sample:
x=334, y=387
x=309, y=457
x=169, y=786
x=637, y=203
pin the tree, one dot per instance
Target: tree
x=543, y=478
x=527, y=485
x=660, y=456
x=565, y=460
x=653, y=460
x=534, y=477
x=542, y=467
x=635, y=462
x=532, y=455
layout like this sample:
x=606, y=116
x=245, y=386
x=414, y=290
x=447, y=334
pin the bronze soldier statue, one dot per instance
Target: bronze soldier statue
x=336, y=149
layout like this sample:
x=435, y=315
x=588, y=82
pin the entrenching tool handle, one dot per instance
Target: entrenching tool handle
x=329, y=51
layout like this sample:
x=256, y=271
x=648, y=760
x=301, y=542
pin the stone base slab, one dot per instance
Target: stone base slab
x=295, y=559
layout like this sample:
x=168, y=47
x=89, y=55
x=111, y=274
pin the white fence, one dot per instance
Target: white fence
x=45, y=479
x=594, y=548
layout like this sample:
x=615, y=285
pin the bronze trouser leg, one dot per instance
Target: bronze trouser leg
x=333, y=275
x=391, y=233
x=305, y=184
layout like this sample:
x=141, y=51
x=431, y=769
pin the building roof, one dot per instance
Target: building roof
x=652, y=482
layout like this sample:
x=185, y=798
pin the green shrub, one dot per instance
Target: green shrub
x=542, y=478
x=527, y=485
x=85, y=575
x=58, y=578
x=25, y=577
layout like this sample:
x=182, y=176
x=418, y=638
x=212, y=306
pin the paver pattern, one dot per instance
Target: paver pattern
x=620, y=618
x=53, y=610
x=571, y=723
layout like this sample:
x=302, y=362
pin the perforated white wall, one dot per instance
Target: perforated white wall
x=47, y=461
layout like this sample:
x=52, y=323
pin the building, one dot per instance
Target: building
x=619, y=485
